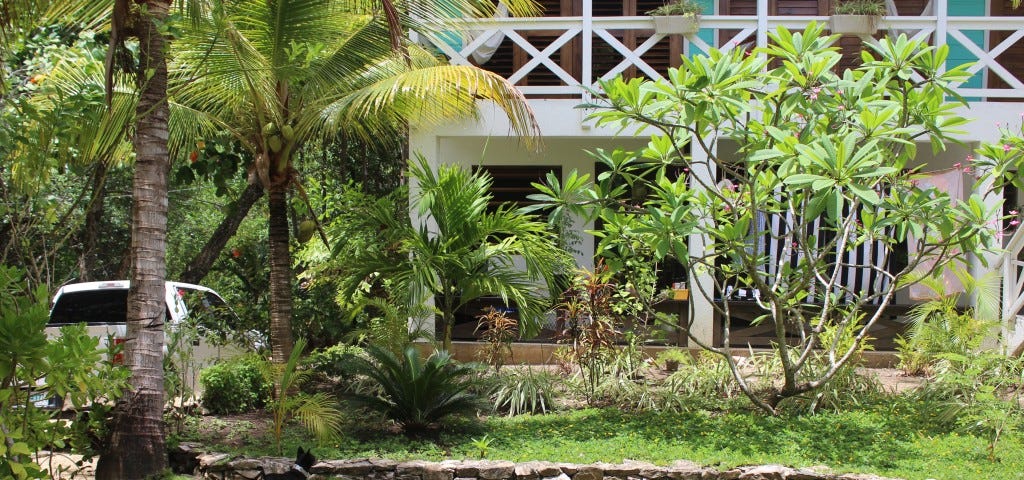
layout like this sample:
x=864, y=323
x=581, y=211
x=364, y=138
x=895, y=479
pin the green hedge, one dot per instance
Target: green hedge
x=235, y=386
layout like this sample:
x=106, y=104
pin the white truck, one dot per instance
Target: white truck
x=103, y=307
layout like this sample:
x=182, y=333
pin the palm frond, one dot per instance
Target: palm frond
x=320, y=415
x=424, y=97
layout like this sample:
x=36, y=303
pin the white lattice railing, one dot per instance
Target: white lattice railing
x=746, y=30
x=1011, y=268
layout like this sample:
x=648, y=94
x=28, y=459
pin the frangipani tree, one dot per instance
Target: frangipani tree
x=281, y=75
x=823, y=168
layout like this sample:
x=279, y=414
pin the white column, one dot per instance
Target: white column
x=587, y=43
x=762, y=23
x=941, y=24
x=427, y=144
x=702, y=327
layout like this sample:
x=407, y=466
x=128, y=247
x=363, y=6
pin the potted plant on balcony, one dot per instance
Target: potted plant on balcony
x=677, y=17
x=856, y=17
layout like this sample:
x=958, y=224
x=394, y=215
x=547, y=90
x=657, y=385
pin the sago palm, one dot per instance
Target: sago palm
x=284, y=74
x=414, y=392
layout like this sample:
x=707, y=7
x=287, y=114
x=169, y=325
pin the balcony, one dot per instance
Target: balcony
x=556, y=57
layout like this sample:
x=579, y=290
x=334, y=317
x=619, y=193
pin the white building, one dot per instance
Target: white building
x=580, y=41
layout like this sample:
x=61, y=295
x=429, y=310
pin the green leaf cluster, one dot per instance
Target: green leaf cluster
x=833, y=155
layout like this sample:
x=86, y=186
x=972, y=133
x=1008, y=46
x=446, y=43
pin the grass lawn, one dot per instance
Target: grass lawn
x=895, y=438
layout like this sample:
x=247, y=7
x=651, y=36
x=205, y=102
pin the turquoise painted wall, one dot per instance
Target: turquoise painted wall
x=705, y=34
x=958, y=55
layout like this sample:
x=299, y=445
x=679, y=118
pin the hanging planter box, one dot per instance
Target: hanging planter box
x=676, y=24
x=861, y=25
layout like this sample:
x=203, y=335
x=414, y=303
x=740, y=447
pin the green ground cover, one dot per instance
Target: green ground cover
x=896, y=437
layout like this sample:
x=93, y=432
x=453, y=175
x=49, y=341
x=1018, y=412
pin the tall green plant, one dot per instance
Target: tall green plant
x=318, y=412
x=943, y=326
x=459, y=249
x=414, y=392
x=828, y=152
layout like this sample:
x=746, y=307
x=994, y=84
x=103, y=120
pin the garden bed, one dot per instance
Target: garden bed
x=893, y=438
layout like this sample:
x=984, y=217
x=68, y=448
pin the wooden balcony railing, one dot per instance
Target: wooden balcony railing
x=572, y=52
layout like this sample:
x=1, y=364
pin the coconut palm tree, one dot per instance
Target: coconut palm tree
x=281, y=75
x=461, y=249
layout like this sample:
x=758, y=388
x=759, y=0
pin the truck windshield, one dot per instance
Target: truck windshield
x=94, y=307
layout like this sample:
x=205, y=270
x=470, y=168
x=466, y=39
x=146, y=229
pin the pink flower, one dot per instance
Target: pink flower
x=1013, y=212
x=1006, y=147
x=1014, y=222
x=957, y=165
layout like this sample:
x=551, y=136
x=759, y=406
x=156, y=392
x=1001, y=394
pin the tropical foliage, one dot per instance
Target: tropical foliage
x=829, y=152
x=460, y=248
x=414, y=392
x=35, y=370
x=280, y=75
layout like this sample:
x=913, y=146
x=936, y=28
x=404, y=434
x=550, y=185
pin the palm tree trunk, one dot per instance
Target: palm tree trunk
x=280, y=275
x=138, y=447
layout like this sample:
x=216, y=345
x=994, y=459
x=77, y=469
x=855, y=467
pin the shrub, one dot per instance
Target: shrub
x=860, y=7
x=332, y=361
x=979, y=393
x=671, y=358
x=234, y=386
x=678, y=7
x=413, y=392
x=522, y=391
x=498, y=330
x=706, y=375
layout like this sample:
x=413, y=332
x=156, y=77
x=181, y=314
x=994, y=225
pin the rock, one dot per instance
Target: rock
x=526, y=471
x=344, y=467
x=687, y=470
x=214, y=462
x=569, y=469
x=438, y=471
x=410, y=470
x=588, y=472
x=622, y=470
x=538, y=470
x=496, y=470
x=560, y=476
x=766, y=472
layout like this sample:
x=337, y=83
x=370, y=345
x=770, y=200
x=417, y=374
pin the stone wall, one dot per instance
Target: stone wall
x=226, y=467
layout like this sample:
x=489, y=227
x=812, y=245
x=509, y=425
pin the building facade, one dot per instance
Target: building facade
x=553, y=58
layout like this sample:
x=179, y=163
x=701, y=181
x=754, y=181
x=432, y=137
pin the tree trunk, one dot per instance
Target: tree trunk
x=200, y=265
x=93, y=217
x=280, y=275
x=138, y=447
